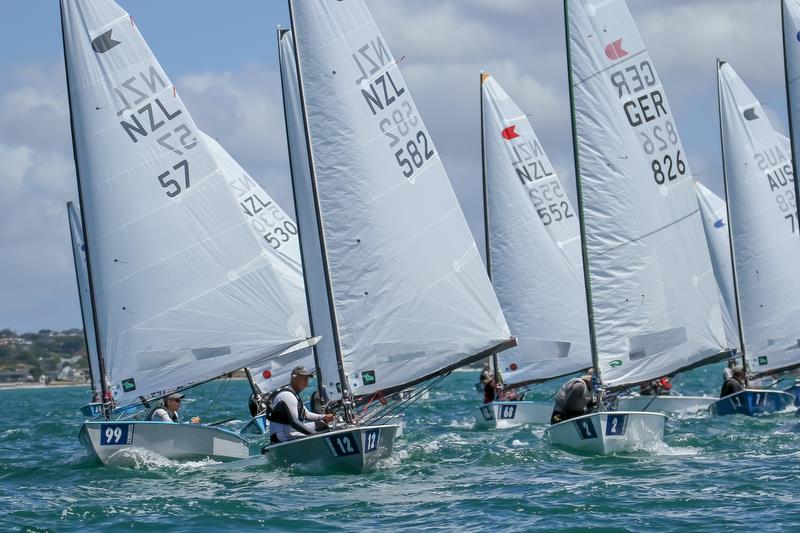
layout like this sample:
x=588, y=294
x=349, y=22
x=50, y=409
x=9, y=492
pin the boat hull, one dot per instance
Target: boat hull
x=752, y=402
x=609, y=432
x=352, y=451
x=104, y=439
x=502, y=415
x=794, y=390
x=665, y=404
x=255, y=427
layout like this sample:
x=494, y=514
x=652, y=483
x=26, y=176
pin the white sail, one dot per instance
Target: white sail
x=790, y=10
x=411, y=294
x=655, y=302
x=318, y=305
x=277, y=231
x=184, y=289
x=534, y=247
x=85, y=298
x=715, y=224
x=764, y=226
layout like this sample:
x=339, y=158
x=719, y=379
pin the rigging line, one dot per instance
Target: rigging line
x=221, y=390
x=402, y=405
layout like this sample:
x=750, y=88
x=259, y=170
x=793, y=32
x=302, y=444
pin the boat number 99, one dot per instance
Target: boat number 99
x=115, y=434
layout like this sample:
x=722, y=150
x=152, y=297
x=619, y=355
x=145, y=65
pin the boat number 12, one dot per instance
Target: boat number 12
x=371, y=440
x=342, y=445
x=115, y=434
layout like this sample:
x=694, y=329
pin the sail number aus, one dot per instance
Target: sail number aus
x=116, y=434
x=342, y=445
x=615, y=425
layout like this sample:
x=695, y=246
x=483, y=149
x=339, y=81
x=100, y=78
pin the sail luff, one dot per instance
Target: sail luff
x=486, y=230
x=105, y=393
x=742, y=342
x=789, y=99
x=320, y=231
x=579, y=194
x=87, y=313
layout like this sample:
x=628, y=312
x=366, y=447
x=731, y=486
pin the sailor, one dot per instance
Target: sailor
x=574, y=398
x=168, y=411
x=734, y=384
x=486, y=374
x=658, y=387
x=489, y=390
x=288, y=417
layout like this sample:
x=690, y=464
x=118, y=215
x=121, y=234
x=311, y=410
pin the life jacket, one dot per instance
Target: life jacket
x=281, y=416
x=560, y=404
x=152, y=411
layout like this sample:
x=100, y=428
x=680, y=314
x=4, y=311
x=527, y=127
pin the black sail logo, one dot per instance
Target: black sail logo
x=750, y=113
x=104, y=42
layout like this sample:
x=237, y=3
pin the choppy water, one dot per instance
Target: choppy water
x=714, y=474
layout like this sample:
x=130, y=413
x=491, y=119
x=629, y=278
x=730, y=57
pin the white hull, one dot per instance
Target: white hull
x=511, y=414
x=173, y=441
x=609, y=432
x=666, y=404
x=353, y=450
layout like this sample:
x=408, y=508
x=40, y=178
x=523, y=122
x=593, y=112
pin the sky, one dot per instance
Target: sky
x=222, y=57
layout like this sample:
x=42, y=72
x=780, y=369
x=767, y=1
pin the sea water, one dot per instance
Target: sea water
x=713, y=474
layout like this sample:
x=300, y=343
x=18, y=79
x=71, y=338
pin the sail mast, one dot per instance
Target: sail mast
x=101, y=363
x=487, y=245
x=789, y=107
x=280, y=33
x=579, y=192
x=80, y=297
x=730, y=232
x=326, y=268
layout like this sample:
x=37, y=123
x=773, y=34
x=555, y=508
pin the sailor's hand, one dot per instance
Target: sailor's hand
x=195, y=420
x=329, y=418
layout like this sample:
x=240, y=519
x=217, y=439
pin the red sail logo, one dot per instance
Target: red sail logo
x=615, y=51
x=510, y=133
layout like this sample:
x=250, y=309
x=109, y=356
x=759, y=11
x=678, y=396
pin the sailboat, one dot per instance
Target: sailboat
x=182, y=288
x=764, y=244
x=654, y=306
x=390, y=266
x=533, y=257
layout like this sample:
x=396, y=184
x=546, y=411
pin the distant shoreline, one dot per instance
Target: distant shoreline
x=24, y=386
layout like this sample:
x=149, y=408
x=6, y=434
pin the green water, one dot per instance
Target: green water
x=713, y=475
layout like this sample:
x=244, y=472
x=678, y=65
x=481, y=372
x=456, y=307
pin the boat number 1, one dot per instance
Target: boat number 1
x=586, y=429
x=342, y=445
x=115, y=434
x=371, y=439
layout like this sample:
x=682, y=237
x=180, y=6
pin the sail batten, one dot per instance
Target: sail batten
x=409, y=291
x=167, y=238
x=655, y=306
